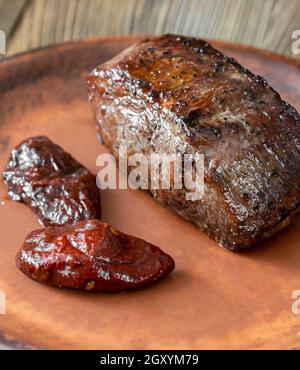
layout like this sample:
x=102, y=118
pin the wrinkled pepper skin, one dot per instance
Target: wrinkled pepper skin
x=52, y=183
x=92, y=256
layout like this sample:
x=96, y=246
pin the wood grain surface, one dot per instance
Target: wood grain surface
x=266, y=24
x=213, y=299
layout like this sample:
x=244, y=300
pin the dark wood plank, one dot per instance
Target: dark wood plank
x=264, y=24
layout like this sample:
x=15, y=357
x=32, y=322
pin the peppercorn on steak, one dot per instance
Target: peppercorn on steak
x=177, y=95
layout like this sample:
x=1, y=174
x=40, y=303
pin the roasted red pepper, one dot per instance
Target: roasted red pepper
x=51, y=182
x=92, y=256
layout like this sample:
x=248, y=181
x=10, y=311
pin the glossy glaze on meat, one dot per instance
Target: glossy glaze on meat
x=175, y=94
x=92, y=256
x=51, y=182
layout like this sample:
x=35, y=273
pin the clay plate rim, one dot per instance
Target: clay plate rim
x=9, y=62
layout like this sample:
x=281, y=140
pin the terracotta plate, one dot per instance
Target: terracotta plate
x=214, y=298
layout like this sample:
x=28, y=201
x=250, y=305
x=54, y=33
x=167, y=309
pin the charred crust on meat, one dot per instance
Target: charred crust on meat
x=206, y=102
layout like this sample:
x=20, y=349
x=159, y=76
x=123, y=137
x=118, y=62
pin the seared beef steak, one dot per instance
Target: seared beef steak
x=175, y=94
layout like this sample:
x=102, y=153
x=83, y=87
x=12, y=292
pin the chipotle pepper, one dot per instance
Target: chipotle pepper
x=51, y=182
x=92, y=256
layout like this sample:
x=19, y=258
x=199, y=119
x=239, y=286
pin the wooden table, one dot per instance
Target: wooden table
x=266, y=24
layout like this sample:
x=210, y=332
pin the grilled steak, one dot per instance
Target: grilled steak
x=175, y=94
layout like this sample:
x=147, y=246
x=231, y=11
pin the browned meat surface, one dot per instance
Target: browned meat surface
x=92, y=256
x=51, y=182
x=175, y=94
